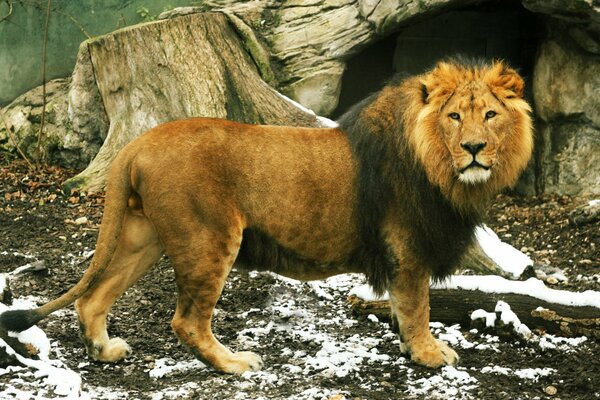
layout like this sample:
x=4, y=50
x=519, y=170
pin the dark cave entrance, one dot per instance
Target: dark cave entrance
x=497, y=29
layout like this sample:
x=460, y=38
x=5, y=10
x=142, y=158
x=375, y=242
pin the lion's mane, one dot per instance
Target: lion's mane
x=405, y=170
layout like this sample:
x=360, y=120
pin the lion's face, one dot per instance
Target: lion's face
x=472, y=128
x=473, y=125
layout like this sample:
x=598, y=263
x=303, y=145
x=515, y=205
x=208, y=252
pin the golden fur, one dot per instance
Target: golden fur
x=390, y=194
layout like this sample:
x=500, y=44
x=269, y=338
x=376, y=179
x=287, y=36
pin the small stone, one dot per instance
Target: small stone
x=551, y=280
x=81, y=221
x=372, y=318
x=550, y=390
x=524, y=249
x=128, y=370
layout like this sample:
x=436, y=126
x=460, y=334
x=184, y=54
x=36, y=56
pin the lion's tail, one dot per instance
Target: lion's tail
x=117, y=195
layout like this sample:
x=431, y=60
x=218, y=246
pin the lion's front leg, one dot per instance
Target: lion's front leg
x=409, y=298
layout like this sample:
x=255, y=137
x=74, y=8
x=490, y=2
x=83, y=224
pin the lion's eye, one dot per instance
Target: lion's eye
x=490, y=114
x=454, y=116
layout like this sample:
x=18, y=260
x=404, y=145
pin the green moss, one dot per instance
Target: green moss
x=271, y=18
x=73, y=184
x=252, y=45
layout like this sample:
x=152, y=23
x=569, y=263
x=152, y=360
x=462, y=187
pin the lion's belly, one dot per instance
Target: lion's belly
x=260, y=251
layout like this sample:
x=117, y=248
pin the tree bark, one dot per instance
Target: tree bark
x=456, y=305
x=478, y=262
x=191, y=66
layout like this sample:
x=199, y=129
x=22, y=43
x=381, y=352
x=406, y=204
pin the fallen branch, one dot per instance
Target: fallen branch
x=454, y=306
x=585, y=214
x=10, y=10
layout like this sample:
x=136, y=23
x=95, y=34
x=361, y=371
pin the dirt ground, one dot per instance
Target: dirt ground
x=37, y=220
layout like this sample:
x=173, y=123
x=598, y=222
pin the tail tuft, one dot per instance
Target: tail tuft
x=18, y=320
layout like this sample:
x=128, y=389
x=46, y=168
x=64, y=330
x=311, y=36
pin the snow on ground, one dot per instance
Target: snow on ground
x=334, y=357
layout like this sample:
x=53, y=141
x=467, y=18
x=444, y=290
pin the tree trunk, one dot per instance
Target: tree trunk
x=191, y=66
x=477, y=261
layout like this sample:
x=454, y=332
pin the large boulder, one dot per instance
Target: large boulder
x=20, y=124
x=75, y=125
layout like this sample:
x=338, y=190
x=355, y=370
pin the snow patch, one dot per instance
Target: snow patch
x=365, y=292
x=325, y=122
x=340, y=359
x=496, y=369
x=174, y=393
x=451, y=335
x=507, y=257
x=490, y=317
x=168, y=366
x=452, y=383
x=548, y=341
x=525, y=373
x=533, y=373
x=508, y=317
x=62, y=380
x=320, y=292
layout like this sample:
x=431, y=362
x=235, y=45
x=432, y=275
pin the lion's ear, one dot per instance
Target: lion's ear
x=506, y=80
x=424, y=93
x=439, y=84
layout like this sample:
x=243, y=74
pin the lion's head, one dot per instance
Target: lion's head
x=470, y=127
x=430, y=150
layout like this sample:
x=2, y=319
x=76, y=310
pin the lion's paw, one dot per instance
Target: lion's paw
x=404, y=349
x=441, y=354
x=449, y=356
x=241, y=362
x=115, y=350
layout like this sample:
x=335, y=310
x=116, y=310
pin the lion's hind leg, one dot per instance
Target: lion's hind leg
x=137, y=250
x=409, y=296
x=202, y=263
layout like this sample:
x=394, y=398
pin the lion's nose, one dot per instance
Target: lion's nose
x=473, y=147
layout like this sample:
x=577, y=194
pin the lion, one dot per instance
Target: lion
x=394, y=192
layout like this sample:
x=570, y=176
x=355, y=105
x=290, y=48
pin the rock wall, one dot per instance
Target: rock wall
x=309, y=40
x=567, y=102
x=22, y=35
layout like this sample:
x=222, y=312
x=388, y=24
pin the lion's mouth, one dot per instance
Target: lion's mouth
x=475, y=173
x=475, y=164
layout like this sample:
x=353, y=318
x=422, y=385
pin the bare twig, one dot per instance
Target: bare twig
x=44, y=59
x=75, y=22
x=10, y=10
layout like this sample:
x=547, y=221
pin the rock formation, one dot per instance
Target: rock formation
x=193, y=63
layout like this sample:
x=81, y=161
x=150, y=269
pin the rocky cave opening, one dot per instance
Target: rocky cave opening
x=495, y=30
